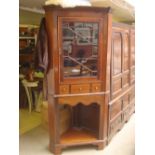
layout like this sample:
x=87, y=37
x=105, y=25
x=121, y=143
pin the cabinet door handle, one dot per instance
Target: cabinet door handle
x=96, y=88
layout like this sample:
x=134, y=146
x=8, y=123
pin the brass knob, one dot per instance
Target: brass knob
x=80, y=88
x=96, y=87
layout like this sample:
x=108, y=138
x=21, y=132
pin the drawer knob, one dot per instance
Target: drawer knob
x=64, y=89
x=80, y=89
x=96, y=88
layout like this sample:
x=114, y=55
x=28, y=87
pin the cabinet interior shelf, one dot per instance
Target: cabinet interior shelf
x=75, y=135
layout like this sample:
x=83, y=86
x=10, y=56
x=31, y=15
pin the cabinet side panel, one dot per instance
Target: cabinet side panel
x=132, y=56
x=122, y=94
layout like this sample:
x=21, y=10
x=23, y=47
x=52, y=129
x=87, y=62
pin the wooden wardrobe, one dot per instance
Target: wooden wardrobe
x=90, y=77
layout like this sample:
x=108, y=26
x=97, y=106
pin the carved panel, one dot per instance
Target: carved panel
x=117, y=53
x=115, y=108
x=126, y=52
x=115, y=125
x=132, y=96
x=125, y=100
x=132, y=75
x=117, y=85
x=86, y=100
x=126, y=79
x=132, y=48
x=127, y=113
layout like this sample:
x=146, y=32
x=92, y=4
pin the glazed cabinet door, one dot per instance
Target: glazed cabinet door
x=80, y=47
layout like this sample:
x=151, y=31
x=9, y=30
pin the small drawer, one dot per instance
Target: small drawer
x=64, y=89
x=96, y=87
x=85, y=88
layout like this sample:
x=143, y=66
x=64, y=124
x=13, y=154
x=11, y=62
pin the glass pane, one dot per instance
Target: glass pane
x=80, y=49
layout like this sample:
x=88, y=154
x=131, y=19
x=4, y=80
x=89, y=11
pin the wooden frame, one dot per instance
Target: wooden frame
x=99, y=93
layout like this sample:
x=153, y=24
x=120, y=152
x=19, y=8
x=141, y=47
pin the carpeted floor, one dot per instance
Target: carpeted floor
x=35, y=142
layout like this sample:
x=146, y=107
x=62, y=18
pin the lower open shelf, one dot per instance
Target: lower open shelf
x=76, y=135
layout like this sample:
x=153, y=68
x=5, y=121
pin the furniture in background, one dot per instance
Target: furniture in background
x=27, y=42
x=22, y=95
x=90, y=78
x=28, y=89
x=33, y=90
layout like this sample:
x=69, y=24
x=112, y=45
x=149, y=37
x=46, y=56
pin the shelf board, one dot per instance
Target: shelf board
x=26, y=37
x=75, y=135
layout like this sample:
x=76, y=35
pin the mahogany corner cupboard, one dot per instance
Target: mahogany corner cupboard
x=91, y=76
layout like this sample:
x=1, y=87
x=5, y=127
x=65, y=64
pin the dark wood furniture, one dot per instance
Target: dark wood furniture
x=90, y=77
x=27, y=41
x=122, y=84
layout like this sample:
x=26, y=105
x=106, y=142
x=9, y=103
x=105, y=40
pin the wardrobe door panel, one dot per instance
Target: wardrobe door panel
x=117, y=53
x=126, y=52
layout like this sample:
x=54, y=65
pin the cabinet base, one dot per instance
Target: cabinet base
x=58, y=149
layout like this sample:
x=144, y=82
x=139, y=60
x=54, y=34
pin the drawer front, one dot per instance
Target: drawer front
x=85, y=88
x=64, y=89
x=96, y=87
x=115, y=108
